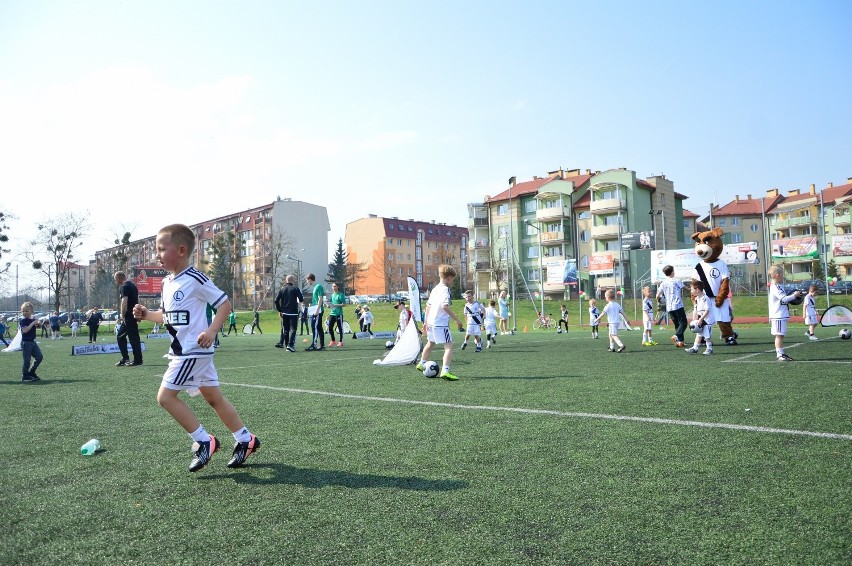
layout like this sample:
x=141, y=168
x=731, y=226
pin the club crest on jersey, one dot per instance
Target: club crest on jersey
x=715, y=273
x=176, y=318
x=178, y=296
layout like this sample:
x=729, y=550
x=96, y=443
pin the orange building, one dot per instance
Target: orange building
x=391, y=250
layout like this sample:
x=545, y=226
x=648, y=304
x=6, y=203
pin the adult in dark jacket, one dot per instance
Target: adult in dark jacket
x=287, y=303
x=93, y=322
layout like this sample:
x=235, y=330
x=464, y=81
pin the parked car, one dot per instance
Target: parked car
x=805, y=285
x=841, y=288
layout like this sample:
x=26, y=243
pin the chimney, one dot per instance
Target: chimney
x=812, y=189
x=793, y=192
x=736, y=198
x=849, y=180
x=748, y=197
x=830, y=185
x=772, y=193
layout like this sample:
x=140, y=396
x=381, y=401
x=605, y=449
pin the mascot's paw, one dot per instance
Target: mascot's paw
x=720, y=300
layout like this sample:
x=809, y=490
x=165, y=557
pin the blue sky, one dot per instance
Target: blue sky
x=147, y=113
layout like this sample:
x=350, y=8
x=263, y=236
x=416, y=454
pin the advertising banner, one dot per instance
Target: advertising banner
x=684, y=261
x=841, y=245
x=802, y=247
x=601, y=264
x=561, y=271
x=639, y=241
x=149, y=280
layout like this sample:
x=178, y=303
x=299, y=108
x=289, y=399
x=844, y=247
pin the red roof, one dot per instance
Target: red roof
x=532, y=187
x=747, y=207
x=689, y=214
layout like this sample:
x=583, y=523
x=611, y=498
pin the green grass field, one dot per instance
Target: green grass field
x=549, y=450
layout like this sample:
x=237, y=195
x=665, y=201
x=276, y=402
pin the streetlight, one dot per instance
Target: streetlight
x=540, y=267
x=298, y=266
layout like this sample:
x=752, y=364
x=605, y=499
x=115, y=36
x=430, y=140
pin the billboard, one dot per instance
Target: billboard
x=639, y=241
x=149, y=280
x=601, y=264
x=841, y=245
x=684, y=261
x=561, y=272
x=802, y=247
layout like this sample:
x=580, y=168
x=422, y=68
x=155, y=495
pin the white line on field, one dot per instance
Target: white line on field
x=677, y=422
x=772, y=351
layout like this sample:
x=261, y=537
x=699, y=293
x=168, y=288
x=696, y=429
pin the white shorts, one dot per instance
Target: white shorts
x=189, y=373
x=779, y=326
x=491, y=328
x=439, y=335
x=706, y=331
x=613, y=329
x=648, y=324
x=810, y=319
x=474, y=330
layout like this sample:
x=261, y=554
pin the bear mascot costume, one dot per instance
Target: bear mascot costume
x=713, y=274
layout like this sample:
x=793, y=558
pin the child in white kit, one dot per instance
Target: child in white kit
x=810, y=312
x=614, y=314
x=702, y=320
x=474, y=314
x=491, y=316
x=647, y=317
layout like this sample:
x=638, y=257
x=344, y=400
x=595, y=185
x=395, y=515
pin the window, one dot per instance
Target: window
x=754, y=227
x=584, y=235
x=584, y=261
x=533, y=275
x=390, y=256
x=529, y=205
x=399, y=243
x=400, y=271
x=409, y=243
x=502, y=209
x=503, y=254
x=735, y=221
x=410, y=229
x=686, y=223
x=532, y=252
x=736, y=237
x=390, y=226
x=390, y=241
x=584, y=215
x=531, y=230
x=399, y=257
x=429, y=258
x=409, y=257
x=721, y=222
x=502, y=231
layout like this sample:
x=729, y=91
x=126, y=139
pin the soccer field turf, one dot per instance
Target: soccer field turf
x=549, y=450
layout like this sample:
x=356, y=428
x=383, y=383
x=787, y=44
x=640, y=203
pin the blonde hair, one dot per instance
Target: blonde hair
x=27, y=305
x=592, y=302
x=610, y=294
x=180, y=234
x=647, y=290
x=445, y=270
x=775, y=270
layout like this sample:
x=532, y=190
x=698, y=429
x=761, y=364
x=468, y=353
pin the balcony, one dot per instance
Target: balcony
x=601, y=205
x=788, y=222
x=552, y=213
x=481, y=244
x=482, y=265
x=606, y=231
x=479, y=222
x=550, y=237
x=841, y=219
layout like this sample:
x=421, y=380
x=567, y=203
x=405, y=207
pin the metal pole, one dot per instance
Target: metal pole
x=512, y=257
x=824, y=251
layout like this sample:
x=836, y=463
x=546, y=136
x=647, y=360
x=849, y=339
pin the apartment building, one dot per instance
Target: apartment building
x=391, y=250
x=572, y=222
x=264, y=243
x=812, y=226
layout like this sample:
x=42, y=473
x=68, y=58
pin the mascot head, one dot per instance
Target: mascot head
x=708, y=245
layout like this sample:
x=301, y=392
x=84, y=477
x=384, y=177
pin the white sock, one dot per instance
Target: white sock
x=200, y=435
x=242, y=435
x=446, y=369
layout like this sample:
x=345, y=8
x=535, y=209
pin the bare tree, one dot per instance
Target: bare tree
x=56, y=242
x=4, y=267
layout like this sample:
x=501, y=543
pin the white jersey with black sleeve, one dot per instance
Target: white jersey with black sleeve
x=184, y=306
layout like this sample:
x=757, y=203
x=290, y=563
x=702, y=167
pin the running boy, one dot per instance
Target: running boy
x=474, y=314
x=491, y=317
x=594, y=313
x=810, y=312
x=779, y=311
x=614, y=314
x=563, y=320
x=186, y=294
x=647, y=317
x=437, y=321
x=29, y=348
x=702, y=319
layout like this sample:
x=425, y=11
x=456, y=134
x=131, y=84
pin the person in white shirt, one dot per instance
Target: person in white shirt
x=491, y=316
x=647, y=317
x=703, y=319
x=779, y=311
x=671, y=290
x=614, y=314
x=437, y=321
x=474, y=314
x=810, y=312
x=404, y=318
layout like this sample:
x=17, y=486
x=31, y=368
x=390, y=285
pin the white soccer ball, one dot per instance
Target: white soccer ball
x=389, y=344
x=430, y=369
x=559, y=330
x=695, y=326
x=845, y=334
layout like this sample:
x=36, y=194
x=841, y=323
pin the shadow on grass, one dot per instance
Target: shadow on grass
x=262, y=474
x=45, y=381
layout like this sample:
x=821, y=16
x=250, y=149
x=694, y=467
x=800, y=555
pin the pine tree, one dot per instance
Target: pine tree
x=337, y=272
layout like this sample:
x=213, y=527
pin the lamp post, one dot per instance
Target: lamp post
x=298, y=267
x=540, y=266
